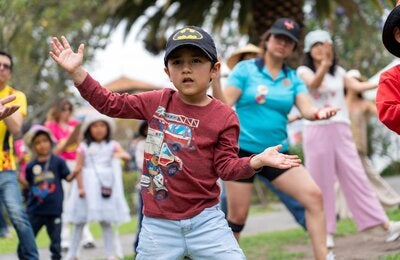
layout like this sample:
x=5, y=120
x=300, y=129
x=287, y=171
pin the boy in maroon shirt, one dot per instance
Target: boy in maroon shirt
x=191, y=142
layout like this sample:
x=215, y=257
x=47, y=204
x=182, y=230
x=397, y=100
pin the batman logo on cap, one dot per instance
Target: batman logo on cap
x=187, y=34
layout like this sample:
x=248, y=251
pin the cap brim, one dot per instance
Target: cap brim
x=182, y=44
x=388, y=39
x=283, y=32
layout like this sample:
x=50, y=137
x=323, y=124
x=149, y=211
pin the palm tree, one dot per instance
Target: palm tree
x=246, y=17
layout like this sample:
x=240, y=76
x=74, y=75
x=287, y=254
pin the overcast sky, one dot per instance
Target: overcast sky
x=127, y=58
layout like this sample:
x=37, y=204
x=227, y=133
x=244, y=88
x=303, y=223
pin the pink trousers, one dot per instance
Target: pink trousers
x=330, y=153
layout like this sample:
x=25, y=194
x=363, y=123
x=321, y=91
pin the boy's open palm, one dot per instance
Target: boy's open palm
x=273, y=158
x=64, y=55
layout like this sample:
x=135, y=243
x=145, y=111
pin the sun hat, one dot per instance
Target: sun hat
x=95, y=116
x=236, y=55
x=316, y=36
x=34, y=131
x=392, y=21
x=287, y=27
x=194, y=36
x=354, y=73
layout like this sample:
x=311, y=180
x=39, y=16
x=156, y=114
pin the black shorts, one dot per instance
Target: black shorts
x=268, y=172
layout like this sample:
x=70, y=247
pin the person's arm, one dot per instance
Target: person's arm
x=70, y=61
x=14, y=122
x=309, y=112
x=78, y=173
x=6, y=111
x=314, y=81
x=120, y=153
x=357, y=85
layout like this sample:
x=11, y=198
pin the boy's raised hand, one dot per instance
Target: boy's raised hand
x=273, y=158
x=69, y=60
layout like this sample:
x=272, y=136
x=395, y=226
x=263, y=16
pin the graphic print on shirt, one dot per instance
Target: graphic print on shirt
x=167, y=135
x=43, y=183
x=261, y=94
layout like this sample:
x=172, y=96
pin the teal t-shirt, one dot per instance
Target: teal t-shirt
x=264, y=104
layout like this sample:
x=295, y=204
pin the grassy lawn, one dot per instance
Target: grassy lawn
x=8, y=246
x=262, y=246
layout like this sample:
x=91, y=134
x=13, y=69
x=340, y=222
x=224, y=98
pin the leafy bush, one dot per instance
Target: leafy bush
x=130, y=179
x=392, y=169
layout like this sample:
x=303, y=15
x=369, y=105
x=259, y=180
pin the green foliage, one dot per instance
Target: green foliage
x=26, y=31
x=392, y=169
x=129, y=180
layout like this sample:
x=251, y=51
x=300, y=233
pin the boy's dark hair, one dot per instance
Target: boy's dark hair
x=41, y=133
x=8, y=55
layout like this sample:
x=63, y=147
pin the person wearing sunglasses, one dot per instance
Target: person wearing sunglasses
x=10, y=194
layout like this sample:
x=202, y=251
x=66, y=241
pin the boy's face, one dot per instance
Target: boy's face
x=41, y=144
x=189, y=69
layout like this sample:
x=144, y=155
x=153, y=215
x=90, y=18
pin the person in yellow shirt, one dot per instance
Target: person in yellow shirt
x=10, y=195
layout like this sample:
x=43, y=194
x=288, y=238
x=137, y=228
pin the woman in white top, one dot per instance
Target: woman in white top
x=328, y=145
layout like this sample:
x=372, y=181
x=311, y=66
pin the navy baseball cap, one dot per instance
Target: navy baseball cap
x=193, y=36
x=287, y=27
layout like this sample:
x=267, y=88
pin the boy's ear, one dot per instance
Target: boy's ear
x=215, y=70
x=166, y=71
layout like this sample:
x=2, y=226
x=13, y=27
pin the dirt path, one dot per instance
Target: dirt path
x=368, y=245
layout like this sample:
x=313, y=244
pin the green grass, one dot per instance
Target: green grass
x=8, y=246
x=269, y=245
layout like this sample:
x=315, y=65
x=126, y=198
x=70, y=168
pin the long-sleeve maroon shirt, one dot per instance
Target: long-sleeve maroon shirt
x=187, y=147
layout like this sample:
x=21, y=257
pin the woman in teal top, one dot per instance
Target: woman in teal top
x=263, y=92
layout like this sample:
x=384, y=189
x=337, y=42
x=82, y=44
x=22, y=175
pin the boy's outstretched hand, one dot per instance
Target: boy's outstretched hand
x=273, y=158
x=69, y=60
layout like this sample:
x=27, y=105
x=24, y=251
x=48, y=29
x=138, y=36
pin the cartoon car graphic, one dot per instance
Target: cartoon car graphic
x=169, y=160
x=178, y=136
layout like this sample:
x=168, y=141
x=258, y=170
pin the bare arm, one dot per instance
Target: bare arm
x=14, y=122
x=314, y=81
x=6, y=111
x=80, y=159
x=309, y=112
x=121, y=153
x=358, y=86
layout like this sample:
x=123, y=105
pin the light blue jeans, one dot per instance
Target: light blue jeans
x=10, y=196
x=205, y=236
x=3, y=225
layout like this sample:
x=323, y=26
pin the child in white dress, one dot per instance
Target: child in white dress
x=98, y=162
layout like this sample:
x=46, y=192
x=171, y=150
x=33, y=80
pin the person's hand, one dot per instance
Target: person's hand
x=6, y=111
x=325, y=113
x=82, y=193
x=273, y=158
x=65, y=56
x=327, y=50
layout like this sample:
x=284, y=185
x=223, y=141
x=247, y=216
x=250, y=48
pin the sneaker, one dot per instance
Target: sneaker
x=330, y=256
x=89, y=245
x=329, y=241
x=393, y=232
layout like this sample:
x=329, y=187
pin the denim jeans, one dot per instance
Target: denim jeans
x=204, y=236
x=53, y=227
x=3, y=224
x=295, y=208
x=10, y=196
